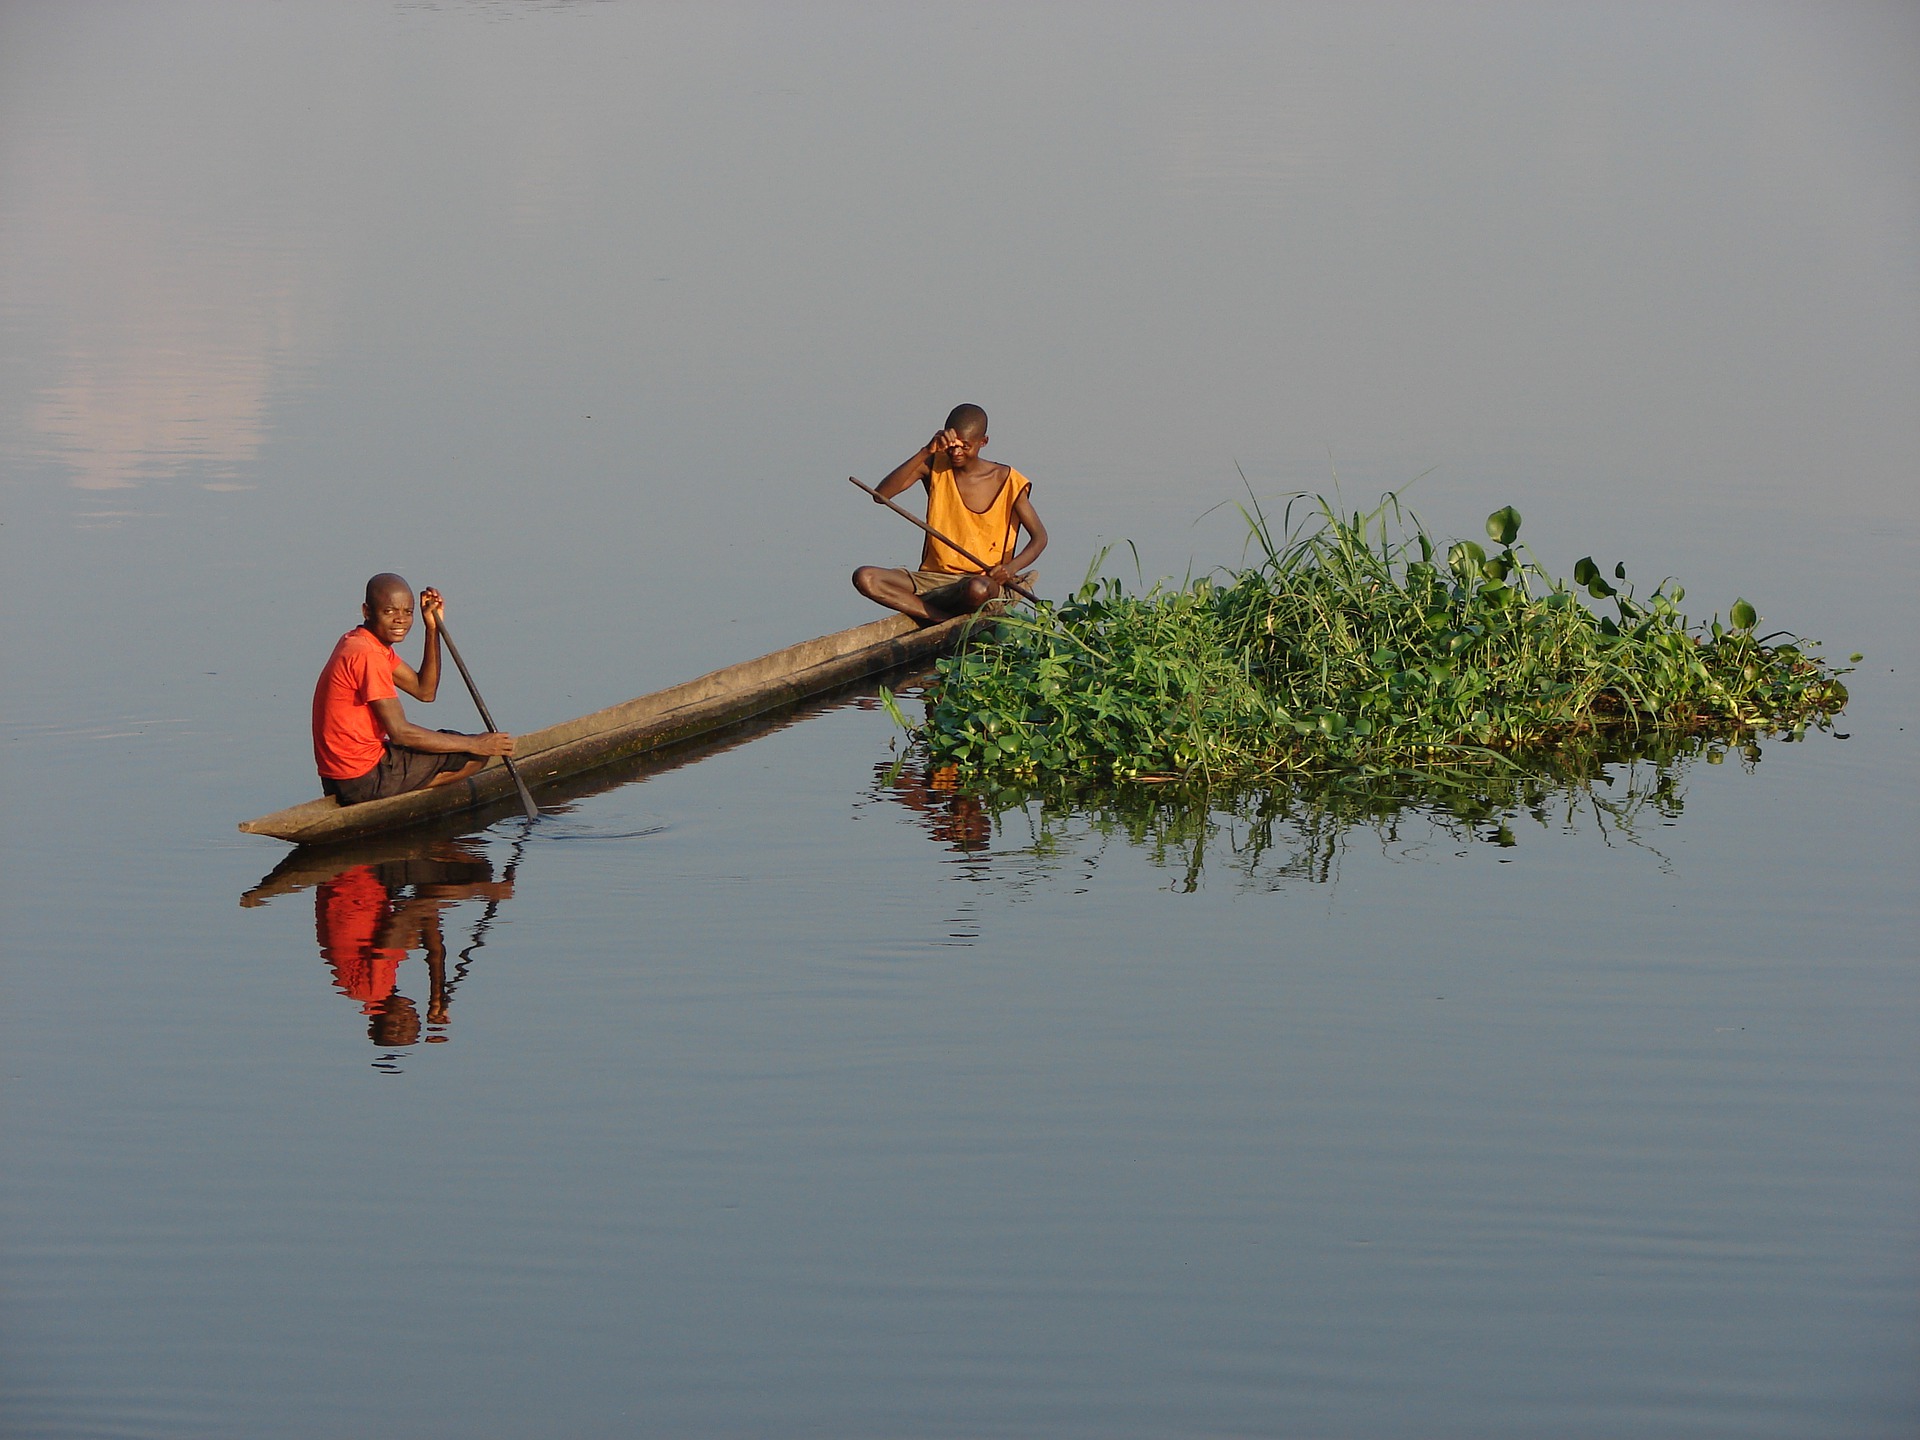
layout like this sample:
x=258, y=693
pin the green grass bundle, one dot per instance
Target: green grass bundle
x=1357, y=646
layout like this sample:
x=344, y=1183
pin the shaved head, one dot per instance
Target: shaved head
x=384, y=584
x=968, y=420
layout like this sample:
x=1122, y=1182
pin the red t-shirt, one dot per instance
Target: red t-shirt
x=348, y=912
x=348, y=738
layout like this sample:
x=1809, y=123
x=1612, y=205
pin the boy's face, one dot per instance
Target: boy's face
x=391, y=616
x=963, y=446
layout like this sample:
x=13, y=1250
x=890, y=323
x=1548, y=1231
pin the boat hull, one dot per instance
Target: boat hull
x=651, y=722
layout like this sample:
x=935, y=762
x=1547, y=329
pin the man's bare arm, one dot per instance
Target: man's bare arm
x=405, y=733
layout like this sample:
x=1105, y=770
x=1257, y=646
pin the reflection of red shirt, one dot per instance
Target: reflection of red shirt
x=348, y=912
x=348, y=738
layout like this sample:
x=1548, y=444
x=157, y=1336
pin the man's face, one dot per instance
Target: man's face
x=390, y=617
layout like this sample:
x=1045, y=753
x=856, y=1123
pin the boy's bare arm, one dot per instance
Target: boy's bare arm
x=1029, y=519
x=914, y=470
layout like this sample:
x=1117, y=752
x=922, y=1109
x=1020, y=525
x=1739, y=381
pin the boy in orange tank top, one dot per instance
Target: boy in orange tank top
x=980, y=505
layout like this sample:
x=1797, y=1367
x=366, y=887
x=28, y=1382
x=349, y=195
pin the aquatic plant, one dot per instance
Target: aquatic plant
x=1357, y=645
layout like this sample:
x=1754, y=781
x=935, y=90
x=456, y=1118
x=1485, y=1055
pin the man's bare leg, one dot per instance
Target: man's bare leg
x=447, y=777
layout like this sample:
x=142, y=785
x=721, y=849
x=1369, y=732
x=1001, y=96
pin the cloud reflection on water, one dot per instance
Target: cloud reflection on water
x=164, y=351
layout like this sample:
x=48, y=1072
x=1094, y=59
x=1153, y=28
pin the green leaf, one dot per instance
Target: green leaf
x=1620, y=570
x=1504, y=524
x=1743, y=615
x=1585, y=572
x=1465, y=556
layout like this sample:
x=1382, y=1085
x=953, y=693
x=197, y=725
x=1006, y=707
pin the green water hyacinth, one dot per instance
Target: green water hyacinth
x=1357, y=645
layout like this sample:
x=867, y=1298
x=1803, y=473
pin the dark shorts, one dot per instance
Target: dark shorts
x=399, y=771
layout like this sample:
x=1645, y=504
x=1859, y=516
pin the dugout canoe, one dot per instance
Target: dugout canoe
x=305, y=866
x=667, y=717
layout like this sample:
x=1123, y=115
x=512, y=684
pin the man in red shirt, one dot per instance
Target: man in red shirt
x=363, y=744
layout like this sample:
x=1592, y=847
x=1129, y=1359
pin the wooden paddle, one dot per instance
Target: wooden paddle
x=526, y=797
x=1019, y=590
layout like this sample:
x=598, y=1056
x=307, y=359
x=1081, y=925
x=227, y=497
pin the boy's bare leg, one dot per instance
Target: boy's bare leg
x=894, y=589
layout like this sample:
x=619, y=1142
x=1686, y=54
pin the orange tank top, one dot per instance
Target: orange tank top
x=988, y=533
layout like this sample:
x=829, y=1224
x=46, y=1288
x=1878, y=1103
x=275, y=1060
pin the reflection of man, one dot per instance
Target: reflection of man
x=366, y=924
x=953, y=817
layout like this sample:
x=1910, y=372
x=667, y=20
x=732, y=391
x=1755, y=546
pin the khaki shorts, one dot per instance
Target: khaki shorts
x=934, y=585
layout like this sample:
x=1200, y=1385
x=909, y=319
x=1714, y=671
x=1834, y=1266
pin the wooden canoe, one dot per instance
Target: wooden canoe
x=306, y=866
x=667, y=717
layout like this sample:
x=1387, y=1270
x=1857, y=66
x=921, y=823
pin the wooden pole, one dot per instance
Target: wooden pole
x=526, y=797
x=1019, y=590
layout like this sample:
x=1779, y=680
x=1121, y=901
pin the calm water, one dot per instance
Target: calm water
x=776, y=1091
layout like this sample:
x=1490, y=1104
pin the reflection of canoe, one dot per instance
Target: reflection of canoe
x=666, y=717
x=307, y=866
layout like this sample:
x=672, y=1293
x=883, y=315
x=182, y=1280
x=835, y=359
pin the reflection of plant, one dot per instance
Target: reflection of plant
x=1294, y=829
x=1353, y=649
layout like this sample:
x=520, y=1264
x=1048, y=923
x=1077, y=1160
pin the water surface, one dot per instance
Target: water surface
x=784, y=1092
